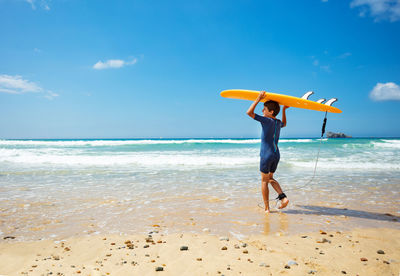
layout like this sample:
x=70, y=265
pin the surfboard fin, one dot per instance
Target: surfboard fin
x=321, y=101
x=331, y=101
x=307, y=95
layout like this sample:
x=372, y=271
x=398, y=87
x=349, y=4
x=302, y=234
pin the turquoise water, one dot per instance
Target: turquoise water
x=57, y=188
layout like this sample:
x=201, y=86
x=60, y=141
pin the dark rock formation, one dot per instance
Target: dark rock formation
x=336, y=135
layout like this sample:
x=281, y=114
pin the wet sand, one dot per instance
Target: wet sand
x=356, y=252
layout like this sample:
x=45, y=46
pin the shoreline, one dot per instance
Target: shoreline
x=371, y=251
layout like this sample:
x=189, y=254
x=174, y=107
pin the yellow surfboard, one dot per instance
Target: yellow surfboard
x=283, y=99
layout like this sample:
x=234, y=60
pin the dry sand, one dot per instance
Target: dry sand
x=331, y=253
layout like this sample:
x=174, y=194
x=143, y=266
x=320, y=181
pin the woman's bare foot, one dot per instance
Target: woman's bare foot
x=284, y=203
x=267, y=211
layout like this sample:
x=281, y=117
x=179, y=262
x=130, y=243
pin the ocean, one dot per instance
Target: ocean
x=60, y=188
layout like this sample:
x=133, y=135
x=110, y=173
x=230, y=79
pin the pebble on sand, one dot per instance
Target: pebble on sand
x=224, y=239
x=363, y=259
x=245, y=251
x=292, y=262
x=224, y=248
x=380, y=251
x=184, y=247
x=323, y=241
x=159, y=268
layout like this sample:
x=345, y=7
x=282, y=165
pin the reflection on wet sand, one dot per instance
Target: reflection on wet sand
x=276, y=222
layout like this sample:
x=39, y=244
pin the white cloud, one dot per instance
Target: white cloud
x=385, y=92
x=32, y=4
x=18, y=85
x=113, y=63
x=379, y=9
x=43, y=4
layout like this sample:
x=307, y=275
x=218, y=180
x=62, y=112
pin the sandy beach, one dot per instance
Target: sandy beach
x=356, y=252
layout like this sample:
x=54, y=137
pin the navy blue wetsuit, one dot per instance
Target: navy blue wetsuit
x=269, y=154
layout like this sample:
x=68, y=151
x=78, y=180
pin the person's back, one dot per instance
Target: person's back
x=269, y=153
x=271, y=129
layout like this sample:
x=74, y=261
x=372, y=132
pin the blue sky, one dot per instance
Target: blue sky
x=132, y=69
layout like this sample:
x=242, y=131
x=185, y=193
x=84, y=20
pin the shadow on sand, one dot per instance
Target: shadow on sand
x=320, y=210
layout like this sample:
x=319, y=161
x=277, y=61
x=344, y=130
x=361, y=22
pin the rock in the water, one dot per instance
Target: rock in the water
x=336, y=135
x=183, y=248
x=224, y=239
x=380, y=251
x=292, y=262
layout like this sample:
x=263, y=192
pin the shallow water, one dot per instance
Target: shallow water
x=59, y=188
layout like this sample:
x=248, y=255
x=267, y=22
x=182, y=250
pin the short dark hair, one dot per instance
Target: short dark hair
x=274, y=106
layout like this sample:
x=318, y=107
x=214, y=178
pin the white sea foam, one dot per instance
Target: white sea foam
x=297, y=140
x=344, y=164
x=96, y=143
x=387, y=144
x=135, y=159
